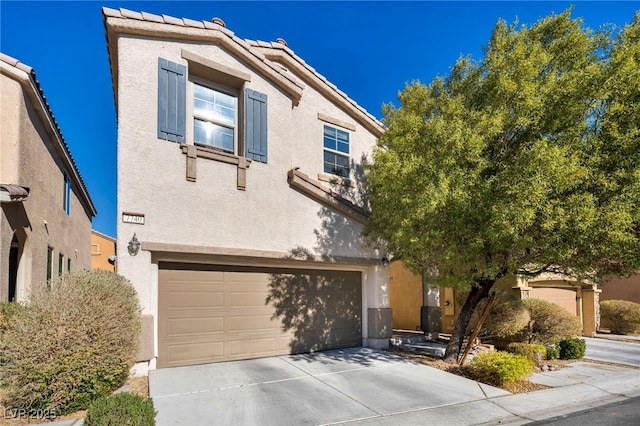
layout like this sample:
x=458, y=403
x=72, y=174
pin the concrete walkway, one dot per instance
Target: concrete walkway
x=363, y=386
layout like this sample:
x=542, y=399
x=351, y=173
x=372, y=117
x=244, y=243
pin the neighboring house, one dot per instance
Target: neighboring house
x=622, y=289
x=103, y=251
x=239, y=197
x=46, y=208
x=411, y=309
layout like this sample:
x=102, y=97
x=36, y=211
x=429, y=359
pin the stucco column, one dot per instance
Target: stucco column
x=590, y=311
x=430, y=313
x=377, y=327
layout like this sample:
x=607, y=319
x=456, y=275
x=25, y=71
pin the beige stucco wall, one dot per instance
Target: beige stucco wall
x=621, y=289
x=268, y=216
x=30, y=159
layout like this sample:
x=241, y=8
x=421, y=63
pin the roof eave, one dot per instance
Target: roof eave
x=285, y=56
x=117, y=26
x=25, y=75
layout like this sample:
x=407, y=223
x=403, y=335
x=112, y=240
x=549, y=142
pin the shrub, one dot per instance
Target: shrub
x=549, y=322
x=497, y=368
x=528, y=350
x=121, y=409
x=507, y=315
x=620, y=316
x=76, y=341
x=552, y=352
x=7, y=310
x=572, y=348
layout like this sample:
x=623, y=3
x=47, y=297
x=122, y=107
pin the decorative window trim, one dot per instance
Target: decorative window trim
x=337, y=180
x=336, y=122
x=214, y=71
x=193, y=152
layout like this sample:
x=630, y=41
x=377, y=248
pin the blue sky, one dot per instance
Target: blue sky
x=369, y=49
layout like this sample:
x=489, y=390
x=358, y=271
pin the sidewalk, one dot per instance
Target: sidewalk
x=579, y=386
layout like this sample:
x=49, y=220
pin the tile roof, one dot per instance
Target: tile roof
x=56, y=127
x=254, y=47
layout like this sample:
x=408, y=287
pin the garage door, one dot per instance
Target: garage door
x=238, y=313
x=560, y=296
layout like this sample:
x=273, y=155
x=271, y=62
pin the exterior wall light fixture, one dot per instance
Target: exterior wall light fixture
x=384, y=261
x=134, y=245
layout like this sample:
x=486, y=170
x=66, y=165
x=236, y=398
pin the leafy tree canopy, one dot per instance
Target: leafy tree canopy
x=525, y=161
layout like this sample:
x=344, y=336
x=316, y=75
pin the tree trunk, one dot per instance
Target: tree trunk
x=477, y=293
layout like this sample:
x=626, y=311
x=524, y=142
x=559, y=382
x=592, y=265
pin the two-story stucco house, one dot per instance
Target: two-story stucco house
x=239, y=196
x=45, y=228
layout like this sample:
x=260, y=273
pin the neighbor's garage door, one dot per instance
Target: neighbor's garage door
x=217, y=315
x=560, y=296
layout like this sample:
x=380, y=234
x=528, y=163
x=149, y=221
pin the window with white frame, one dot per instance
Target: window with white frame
x=336, y=151
x=215, y=117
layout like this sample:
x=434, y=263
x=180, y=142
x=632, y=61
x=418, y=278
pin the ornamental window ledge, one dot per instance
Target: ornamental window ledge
x=336, y=180
x=193, y=152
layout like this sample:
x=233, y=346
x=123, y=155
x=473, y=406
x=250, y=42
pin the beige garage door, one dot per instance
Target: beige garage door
x=560, y=296
x=238, y=313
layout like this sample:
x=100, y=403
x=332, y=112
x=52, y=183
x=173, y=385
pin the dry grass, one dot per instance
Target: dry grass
x=135, y=385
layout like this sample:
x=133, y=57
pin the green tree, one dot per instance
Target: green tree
x=526, y=161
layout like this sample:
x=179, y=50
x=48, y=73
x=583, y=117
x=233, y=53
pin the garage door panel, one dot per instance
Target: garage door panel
x=250, y=323
x=208, y=316
x=246, y=299
x=195, y=326
x=194, y=353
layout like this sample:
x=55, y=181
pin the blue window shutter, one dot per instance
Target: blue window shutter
x=172, y=94
x=256, y=125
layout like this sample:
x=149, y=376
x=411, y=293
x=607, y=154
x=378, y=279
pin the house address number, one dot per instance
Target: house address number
x=137, y=218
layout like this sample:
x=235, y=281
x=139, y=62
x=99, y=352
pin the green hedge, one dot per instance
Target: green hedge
x=497, y=368
x=122, y=409
x=572, y=348
x=533, y=352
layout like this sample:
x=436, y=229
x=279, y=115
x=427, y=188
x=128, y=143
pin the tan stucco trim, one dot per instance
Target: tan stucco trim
x=318, y=192
x=336, y=122
x=212, y=70
x=337, y=180
x=187, y=253
x=31, y=87
x=117, y=27
x=325, y=88
x=192, y=152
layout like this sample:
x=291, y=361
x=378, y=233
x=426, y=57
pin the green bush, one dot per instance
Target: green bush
x=76, y=341
x=497, y=368
x=124, y=409
x=552, y=352
x=549, y=322
x=572, y=348
x=507, y=316
x=620, y=316
x=528, y=350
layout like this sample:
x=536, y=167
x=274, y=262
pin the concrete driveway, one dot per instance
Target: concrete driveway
x=326, y=387
x=613, y=351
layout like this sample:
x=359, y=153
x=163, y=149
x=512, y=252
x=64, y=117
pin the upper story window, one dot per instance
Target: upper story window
x=226, y=114
x=66, y=195
x=215, y=117
x=336, y=151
